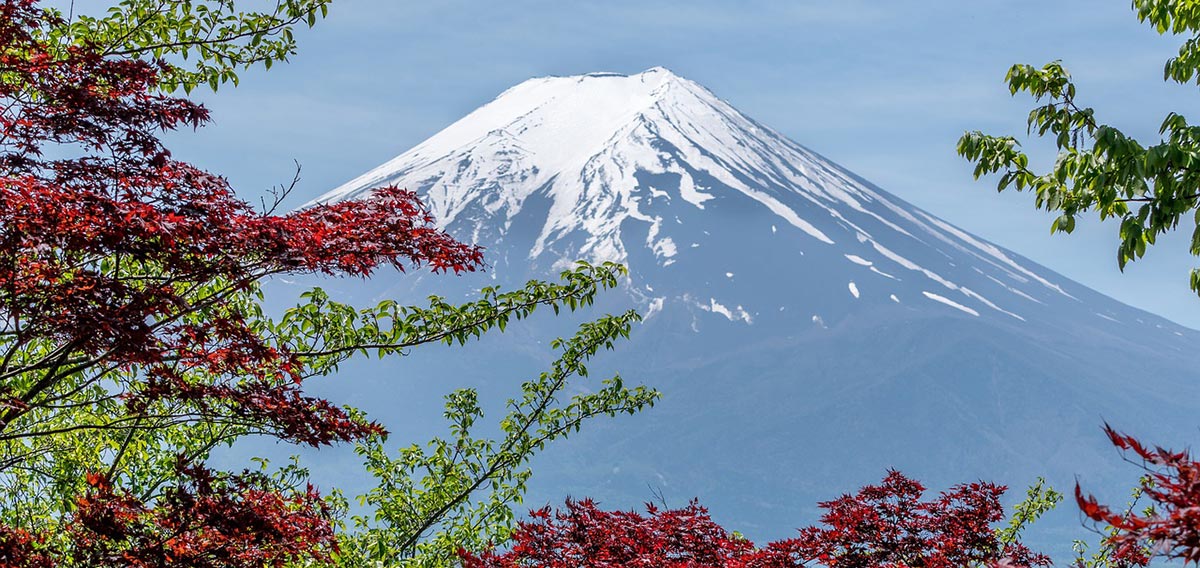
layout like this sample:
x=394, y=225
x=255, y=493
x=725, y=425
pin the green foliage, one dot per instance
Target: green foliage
x=1175, y=17
x=1039, y=499
x=207, y=42
x=324, y=332
x=458, y=492
x=1106, y=550
x=86, y=427
x=428, y=500
x=1150, y=188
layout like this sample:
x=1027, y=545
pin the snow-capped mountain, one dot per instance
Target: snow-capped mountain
x=608, y=158
x=808, y=329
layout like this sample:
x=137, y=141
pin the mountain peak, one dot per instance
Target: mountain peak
x=556, y=122
x=581, y=141
x=657, y=72
x=837, y=327
x=655, y=171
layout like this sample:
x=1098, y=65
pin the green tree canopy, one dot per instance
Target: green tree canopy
x=206, y=42
x=134, y=342
x=1150, y=187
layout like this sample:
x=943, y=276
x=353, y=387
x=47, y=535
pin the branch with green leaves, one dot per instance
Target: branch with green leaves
x=458, y=492
x=1039, y=500
x=1151, y=188
x=323, y=332
x=83, y=424
x=1105, y=555
x=207, y=42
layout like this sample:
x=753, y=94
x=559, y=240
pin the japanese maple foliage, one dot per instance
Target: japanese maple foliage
x=1171, y=530
x=210, y=521
x=20, y=549
x=886, y=525
x=127, y=284
x=889, y=525
x=582, y=535
x=585, y=536
x=106, y=255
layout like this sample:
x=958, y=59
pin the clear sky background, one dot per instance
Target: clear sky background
x=883, y=87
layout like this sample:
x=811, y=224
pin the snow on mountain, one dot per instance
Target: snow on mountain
x=605, y=153
x=808, y=330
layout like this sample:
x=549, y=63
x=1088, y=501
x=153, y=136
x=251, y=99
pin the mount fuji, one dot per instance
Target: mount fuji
x=808, y=330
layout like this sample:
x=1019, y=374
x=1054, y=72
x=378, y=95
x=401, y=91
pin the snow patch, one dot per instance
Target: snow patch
x=936, y=278
x=736, y=314
x=787, y=213
x=1010, y=288
x=858, y=260
x=853, y=290
x=656, y=305
x=665, y=248
x=906, y=263
x=993, y=252
x=950, y=303
x=882, y=273
x=688, y=189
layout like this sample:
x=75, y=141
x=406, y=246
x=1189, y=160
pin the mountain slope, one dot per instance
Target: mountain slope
x=808, y=329
x=611, y=158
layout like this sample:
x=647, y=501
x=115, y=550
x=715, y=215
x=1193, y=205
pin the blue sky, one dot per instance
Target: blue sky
x=884, y=88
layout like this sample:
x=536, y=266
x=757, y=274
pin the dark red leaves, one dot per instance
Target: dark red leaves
x=207, y=521
x=126, y=273
x=20, y=549
x=887, y=525
x=1172, y=531
x=585, y=536
x=119, y=256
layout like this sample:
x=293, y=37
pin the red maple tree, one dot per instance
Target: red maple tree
x=102, y=254
x=123, y=273
x=211, y=520
x=882, y=526
x=1171, y=530
x=582, y=535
